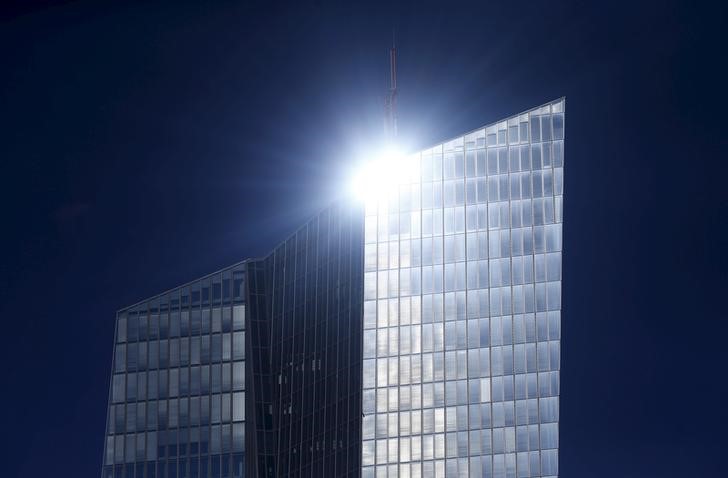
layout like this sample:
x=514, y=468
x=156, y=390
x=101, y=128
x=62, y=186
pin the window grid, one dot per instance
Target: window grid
x=476, y=261
x=177, y=398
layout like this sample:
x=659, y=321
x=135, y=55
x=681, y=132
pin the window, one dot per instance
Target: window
x=238, y=406
x=119, y=388
x=239, y=345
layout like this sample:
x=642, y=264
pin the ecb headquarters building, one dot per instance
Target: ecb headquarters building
x=415, y=334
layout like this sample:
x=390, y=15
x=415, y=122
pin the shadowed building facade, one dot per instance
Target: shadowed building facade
x=305, y=326
x=177, y=397
x=415, y=335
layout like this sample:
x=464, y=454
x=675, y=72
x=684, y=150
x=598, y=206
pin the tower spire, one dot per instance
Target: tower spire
x=390, y=102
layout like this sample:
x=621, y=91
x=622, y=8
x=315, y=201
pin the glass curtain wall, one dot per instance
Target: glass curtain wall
x=310, y=317
x=462, y=299
x=177, y=399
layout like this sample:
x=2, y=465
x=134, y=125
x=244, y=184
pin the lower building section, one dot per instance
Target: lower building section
x=252, y=371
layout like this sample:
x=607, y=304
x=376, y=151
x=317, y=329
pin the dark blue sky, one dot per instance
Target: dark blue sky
x=143, y=145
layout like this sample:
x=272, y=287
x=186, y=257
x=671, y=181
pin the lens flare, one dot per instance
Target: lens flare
x=382, y=175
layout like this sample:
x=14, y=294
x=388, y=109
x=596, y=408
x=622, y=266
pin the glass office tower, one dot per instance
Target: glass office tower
x=251, y=371
x=305, y=308
x=177, y=403
x=416, y=335
x=462, y=299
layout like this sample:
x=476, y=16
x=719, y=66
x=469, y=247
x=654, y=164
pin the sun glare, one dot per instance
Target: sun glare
x=381, y=175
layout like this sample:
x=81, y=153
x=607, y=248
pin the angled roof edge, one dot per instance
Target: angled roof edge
x=333, y=203
x=167, y=291
x=488, y=125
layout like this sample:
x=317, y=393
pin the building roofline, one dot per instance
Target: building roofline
x=167, y=291
x=244, y=261
x=327, y=207
x=487, y=125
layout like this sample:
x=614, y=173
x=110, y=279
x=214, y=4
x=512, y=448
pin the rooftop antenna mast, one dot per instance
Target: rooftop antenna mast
x=390, y=102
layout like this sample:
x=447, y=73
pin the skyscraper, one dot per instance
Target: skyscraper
x=305, y=363
x=462, y=299
x=415, y=335
x=177, y=394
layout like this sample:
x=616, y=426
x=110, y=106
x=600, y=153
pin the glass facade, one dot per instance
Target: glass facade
x=417, y=335
x=306, y=327
x=260, y=360
x=177, y=403
x=462, y=299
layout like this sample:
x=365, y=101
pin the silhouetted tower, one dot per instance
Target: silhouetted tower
x=390, y=102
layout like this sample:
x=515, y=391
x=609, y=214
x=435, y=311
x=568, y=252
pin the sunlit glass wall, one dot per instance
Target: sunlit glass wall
x=462, y=307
